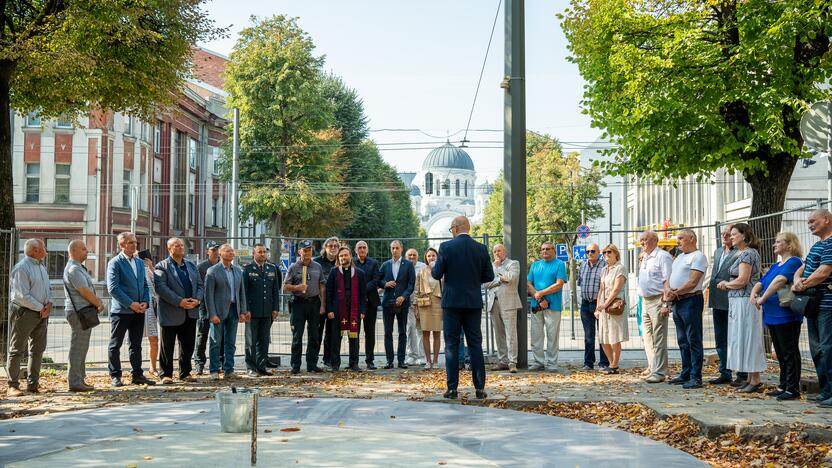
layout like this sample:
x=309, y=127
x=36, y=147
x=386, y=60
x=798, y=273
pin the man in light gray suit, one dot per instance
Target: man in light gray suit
x=179, y=287
x=504, y=301
x=225, y=302
x=724, y=256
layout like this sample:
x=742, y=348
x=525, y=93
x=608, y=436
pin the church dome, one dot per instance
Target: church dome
x=448, y=156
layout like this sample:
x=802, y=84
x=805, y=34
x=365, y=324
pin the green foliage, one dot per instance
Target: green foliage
x=558, y=192
x=64, y=57
x=689, y=87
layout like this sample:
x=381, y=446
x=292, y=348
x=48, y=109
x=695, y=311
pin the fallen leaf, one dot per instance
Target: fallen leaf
x=148, y=457
x=290, y=429
x=267, y=431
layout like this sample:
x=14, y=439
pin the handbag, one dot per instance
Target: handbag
x=616, y=308
x=423, y=301
x=88, y=316
x=807, y=303
x=785, y=296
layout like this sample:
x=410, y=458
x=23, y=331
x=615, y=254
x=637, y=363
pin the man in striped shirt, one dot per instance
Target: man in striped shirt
x=815, y=272
x=589, y=280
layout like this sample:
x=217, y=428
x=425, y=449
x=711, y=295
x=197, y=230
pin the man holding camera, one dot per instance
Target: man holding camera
x=545, y=284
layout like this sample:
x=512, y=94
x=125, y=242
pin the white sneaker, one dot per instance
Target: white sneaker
x=215, y=375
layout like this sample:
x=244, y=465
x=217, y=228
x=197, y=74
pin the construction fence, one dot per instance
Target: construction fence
x=571, y=334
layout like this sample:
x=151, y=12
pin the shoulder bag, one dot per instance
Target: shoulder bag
x=422, y=301
x=807, y=303
x=616, y=308
x=785, y=296
x=88, y=316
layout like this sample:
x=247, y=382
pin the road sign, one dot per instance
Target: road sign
x=562, y=252
x=583, y=231
x=579, y=252
x=284, y=265
x=816, y=126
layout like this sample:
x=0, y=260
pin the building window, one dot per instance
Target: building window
x=466, y=188
x=456, y=188
x=157, y=137
x=192, y=153
x=63, y=122
x=125, y=192
x=56, y=257
x=62, y=183
x=32, y=119
x=447, y=187
x=214, y=212
x=157, y=201
x=192, y=199
x=429, y=183
x=128, y=125
x=33, y=183
x=215, y=159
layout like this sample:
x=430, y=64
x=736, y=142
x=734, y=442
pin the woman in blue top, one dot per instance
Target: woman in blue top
x=783, y=324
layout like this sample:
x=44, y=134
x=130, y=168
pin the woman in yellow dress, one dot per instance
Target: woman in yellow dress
x=429, y=308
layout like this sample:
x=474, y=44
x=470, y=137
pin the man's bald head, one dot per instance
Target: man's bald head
x=820, y=223
x=460, y=225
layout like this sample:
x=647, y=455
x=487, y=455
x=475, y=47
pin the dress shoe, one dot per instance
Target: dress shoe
x=654, y=379
x=252, y=373
x=295, y=371
x=33, y=389
x=215, y=375
x=14, y=392
x=82, y=388
x=371, y=366
x=402, y=366
x=187, y=378
x=819, y=397
x=536, y=367
x=739, y=383
x=512, y=368
x=265, y=373
x=481, y=395
x=333, y=369
x=751, y=388
x=786, y=395
x=389, y=365
x=775, y=393
x=229, y=375
x=692, y=384
x=499, y=367
x=451, y=394
x=142, y=380
x=677, y=381
x=827, y=403
x=587, y=368
x=355, y=368
x=316, y=370
x=722, y=379
x=165, y=381
x=200, y=369
x=116, y=382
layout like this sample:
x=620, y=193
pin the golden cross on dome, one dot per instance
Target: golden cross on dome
x=344, y=321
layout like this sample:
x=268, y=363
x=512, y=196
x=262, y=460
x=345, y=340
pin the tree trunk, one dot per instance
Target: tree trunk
x=769, y=196
x=6, y=199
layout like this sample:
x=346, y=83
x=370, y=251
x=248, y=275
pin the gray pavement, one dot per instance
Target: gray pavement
x=333, y=432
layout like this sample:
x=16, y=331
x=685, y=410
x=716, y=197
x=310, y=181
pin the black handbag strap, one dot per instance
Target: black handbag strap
x=66, y=289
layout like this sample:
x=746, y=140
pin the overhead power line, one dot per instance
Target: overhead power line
x=482, y=70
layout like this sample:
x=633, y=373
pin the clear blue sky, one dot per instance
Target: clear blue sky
x=416, y=64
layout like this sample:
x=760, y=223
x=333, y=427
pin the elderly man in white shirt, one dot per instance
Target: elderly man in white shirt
x=653, y=275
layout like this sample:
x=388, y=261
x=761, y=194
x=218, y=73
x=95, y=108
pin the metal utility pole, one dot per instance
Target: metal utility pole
x=134, y=207
x=514, y=158
x=233, y=218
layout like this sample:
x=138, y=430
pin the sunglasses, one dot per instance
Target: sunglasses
x=591, y=251
x=607, y=252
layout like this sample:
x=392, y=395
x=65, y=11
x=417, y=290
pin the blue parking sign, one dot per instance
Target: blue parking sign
x=579, y=252
x=561, y=251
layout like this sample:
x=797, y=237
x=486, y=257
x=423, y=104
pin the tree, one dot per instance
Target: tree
x=560, y=195
x=291, y=163
x=62, y=58
x=689, y=87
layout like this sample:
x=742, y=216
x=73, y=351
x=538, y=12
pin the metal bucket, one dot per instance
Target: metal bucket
x=235, y=409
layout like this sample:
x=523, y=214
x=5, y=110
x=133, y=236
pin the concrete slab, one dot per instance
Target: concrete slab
x=332, y=432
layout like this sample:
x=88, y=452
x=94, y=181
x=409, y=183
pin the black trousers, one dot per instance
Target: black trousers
x=785, y=338
x=305, y=314
x=257, y=343
x=370, y=319
x=454, y=323
x=203, y=331
x=133, y=326
x=168, y=336
x=335, y=350
x=400, y=315
x=324, y=338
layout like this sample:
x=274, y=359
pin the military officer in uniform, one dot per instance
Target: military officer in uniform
x=262, y=281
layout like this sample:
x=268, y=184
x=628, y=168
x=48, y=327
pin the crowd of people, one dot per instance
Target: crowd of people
x=339, y=293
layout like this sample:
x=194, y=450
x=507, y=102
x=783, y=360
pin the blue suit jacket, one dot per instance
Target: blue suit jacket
x=464, y=265
x=124, y=287
x=370, y=268
x=405, y=283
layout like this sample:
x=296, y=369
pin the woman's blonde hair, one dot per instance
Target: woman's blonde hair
x=615, y=250
x=795, y=250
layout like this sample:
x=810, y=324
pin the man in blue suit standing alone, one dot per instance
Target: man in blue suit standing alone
x=464, y=265
x=398, y=277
